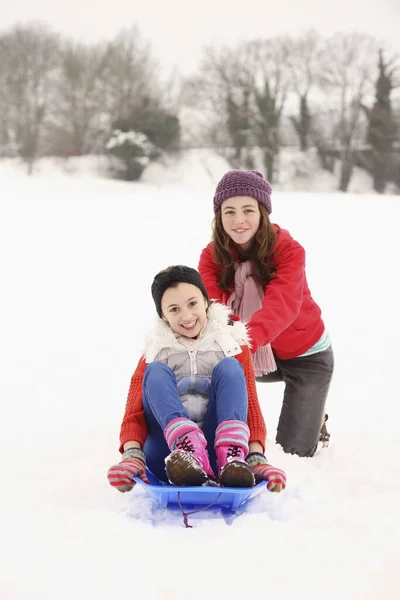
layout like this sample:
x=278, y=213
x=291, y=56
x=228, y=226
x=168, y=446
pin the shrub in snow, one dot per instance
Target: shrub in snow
x=133, y=152
x=161, y=127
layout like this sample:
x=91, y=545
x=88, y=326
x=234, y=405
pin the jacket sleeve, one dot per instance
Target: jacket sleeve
x=283, y=297
x=134, y=426
x=209, y=272
x=255, y=419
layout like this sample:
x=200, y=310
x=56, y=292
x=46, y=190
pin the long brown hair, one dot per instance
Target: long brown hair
x=260, y=253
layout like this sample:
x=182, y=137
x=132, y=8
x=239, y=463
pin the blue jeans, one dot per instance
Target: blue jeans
x=161, y=403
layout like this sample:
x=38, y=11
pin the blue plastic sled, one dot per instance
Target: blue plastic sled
x=167, y=495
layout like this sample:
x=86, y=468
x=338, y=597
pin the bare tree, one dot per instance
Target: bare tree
x=305, y=66
x=382, y=127
x=220, y=94
x=347, y=79
x=7, y=146
x=112, y=85
x=81, y=108
x=244, y=89
x=131, y=74
x=237, y=77
x=29, y=57
x=271, y=85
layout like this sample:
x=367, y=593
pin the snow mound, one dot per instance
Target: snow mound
x=195, y=167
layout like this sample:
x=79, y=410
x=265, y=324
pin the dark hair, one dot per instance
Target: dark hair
x=172, y=277
x=261, y=252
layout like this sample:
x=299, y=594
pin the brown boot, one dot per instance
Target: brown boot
x=323, y=434
x=183, y=469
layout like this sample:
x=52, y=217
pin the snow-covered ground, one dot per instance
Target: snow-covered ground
x=78, y=257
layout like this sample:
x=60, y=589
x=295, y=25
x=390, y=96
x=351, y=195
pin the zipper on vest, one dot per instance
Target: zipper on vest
x=193, y=367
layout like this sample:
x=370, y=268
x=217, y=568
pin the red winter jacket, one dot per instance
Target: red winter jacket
x=289, y=319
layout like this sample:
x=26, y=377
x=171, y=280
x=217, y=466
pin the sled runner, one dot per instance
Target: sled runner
x=198, y=498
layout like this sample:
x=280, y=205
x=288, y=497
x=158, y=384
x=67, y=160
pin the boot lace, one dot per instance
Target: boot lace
x=233, y=452
x=185, y=444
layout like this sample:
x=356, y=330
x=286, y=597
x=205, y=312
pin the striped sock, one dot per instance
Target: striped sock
x=178, y=427
x=234, y=433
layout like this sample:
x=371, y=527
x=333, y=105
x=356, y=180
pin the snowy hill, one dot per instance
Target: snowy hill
x=79, y=253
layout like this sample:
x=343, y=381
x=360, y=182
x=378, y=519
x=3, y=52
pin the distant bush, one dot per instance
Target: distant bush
x=160, y=126
x=133, y=151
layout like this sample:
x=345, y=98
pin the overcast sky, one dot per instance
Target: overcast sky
x=177, y=29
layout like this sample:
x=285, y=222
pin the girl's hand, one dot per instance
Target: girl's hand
x=132, y=464
x=275, y=478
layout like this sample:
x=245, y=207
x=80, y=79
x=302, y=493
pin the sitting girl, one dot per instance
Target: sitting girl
x=192, y=412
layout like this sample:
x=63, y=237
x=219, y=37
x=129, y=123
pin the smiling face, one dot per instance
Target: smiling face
x=184, y=309
x=240, y=219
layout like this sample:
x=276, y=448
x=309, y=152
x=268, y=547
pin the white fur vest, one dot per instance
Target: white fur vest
x=193, y=367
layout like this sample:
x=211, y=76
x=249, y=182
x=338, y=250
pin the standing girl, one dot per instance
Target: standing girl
x=258, y=269
x=192, y=413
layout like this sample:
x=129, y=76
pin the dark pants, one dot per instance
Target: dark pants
x=161, y=404
x=307, y=380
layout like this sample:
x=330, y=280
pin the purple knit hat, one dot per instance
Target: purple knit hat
x=243, y=183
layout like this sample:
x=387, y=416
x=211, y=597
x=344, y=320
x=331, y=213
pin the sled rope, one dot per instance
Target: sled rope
x=192, y=512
